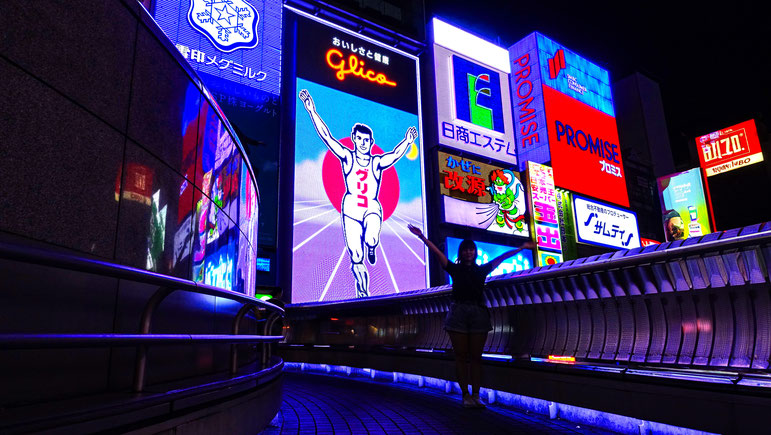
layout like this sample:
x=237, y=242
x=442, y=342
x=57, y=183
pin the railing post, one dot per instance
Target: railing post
x=266, y=346
x=144, y=328
x=236, y=326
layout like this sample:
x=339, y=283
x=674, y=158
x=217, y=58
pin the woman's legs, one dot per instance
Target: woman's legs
x=460, y=345
x=476, y=344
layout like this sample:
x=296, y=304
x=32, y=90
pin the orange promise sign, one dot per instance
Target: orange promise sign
x=354, y=66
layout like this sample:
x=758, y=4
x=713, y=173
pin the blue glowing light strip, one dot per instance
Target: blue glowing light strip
x=575, y=414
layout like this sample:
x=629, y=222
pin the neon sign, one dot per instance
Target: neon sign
x=729, y=148
x=544, y=211
x=354, y=66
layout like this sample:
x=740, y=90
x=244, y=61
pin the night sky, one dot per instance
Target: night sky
x=711, y=62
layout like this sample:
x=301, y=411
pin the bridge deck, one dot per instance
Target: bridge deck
x=319, y=404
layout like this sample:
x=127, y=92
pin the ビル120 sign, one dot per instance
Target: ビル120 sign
x=730, y=148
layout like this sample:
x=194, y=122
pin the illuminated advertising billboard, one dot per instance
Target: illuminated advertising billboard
x=730, y=148
x=358, y=173
x=683, y=205
x=605, y=225
x=473, y=100
x=563, y=114
x=479, y=195
x=566, y=223
x=543, y=209
x=487, y=251
x=235, y=40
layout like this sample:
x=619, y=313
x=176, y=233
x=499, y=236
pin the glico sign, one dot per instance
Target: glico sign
x=563, y=114
x=358, y=165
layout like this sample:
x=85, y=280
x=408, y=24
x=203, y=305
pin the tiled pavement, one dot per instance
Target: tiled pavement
x=320, y=404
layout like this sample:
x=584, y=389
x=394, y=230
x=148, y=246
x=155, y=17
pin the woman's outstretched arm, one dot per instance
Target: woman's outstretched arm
x=439, y=254
x=495, y=262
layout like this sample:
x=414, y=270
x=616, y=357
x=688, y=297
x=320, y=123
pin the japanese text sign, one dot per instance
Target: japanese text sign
x=358, y=166
x=236, y=40
x=563, y=114
x=544, y=212
x=480, y=195
x=730, y=148
x=605, y=225
x=473, y=102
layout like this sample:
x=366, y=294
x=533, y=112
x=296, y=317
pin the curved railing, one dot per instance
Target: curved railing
x=662, y=321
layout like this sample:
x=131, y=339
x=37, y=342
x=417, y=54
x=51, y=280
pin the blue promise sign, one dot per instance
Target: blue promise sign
x=235, y=40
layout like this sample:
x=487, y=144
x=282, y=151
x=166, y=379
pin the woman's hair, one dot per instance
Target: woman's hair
x=466, y=244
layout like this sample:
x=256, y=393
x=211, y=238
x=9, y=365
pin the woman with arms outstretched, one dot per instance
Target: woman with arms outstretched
x=468, y=320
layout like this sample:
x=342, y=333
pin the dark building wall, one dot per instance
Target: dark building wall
x=642, y=131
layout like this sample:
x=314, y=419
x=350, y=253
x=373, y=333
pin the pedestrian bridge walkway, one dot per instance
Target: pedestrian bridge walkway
x=326, y=404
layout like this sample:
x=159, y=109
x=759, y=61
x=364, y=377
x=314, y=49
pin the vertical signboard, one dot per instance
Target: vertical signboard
x=235, y=40
x=480, y=195
x=472, y=94
x=563, y=114
x=730, y=148
x=683, y=205
x=566, y=222
x=543, y=207
x=358, y=173
x=605, y=225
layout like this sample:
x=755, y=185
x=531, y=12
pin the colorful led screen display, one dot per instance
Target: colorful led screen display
x=358, y=177
x=236, y=40
x=730, y=148
x=487, y=251
x=479, y=195
x=543, y=207
x=472, y=97
x=563, y=114
x=605, y=225
x=683, y=205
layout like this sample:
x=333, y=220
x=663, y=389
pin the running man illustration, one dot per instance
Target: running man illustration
x=362, y=215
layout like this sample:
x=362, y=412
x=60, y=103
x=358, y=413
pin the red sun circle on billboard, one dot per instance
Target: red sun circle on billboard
x=334, y=182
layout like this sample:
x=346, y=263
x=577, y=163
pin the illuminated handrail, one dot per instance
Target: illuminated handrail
x=613, y=262
x=167, y=285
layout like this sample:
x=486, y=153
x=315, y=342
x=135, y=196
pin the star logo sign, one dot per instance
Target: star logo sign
x=224, y=14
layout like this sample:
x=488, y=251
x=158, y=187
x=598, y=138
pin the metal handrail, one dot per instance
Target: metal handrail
x=27, y=254
x=561, y=270
x=38, y=341
x=166, y=284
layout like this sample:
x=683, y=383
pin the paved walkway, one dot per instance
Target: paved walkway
x=319, y=404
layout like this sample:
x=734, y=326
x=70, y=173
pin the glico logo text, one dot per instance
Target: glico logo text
x=355, y=67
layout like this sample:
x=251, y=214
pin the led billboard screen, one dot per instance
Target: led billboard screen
x=543, y=207
x=730, y=148
x=472, y=95
x=563, y=114
x=605, y=225
x=480, y=195
x=236, y=40
x=487, y=251
x=683, y=205
x=358, y=174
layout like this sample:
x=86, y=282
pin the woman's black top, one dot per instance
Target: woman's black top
x=468, y=282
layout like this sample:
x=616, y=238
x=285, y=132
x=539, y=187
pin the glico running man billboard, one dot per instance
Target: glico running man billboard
x=358, y=174
x=730, y=148
x=473, y=101
x=235, y=40
x=563, y=114
x=480, y=195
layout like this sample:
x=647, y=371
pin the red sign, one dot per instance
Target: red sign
x=354, y=66
x=729, y=148
x=585, y=153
